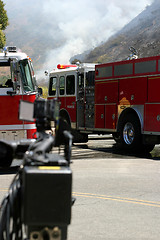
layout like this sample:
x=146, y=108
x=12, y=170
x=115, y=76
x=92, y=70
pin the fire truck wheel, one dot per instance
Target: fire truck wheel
x=116, y=137
x=130, y=133
x=6, y=155
x=6, y=163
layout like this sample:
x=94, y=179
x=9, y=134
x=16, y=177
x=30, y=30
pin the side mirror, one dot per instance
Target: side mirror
x=46, y=73
x=11, y=93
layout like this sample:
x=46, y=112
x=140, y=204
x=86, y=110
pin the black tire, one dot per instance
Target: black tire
x=116, y=137
x=6, y=155
x=130, y=133
x=59, y=136
x=65, y=117
x=5, y=163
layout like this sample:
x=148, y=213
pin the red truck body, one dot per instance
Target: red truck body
x=121, y=98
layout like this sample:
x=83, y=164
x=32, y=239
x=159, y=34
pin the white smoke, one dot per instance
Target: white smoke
x=83, y=24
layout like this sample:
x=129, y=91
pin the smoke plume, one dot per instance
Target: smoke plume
x=84, y=24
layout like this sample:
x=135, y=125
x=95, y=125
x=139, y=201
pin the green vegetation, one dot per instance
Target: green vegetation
x=4, y=75
x=3, y=24
x=3, y=80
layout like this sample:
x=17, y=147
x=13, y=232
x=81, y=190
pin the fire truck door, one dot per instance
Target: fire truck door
x=80, y=100
x=71, y=96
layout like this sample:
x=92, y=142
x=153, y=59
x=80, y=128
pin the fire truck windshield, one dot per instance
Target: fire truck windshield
x=26, y=76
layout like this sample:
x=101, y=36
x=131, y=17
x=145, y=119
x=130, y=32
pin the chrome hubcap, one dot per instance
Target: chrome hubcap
x=128, y=133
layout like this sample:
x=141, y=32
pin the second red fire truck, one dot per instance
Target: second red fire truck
x=119, y=98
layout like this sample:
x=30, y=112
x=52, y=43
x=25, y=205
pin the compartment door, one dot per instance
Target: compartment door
x=152, y=117
x=99, y=116
x=110, y=116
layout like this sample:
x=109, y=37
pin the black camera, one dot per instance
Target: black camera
x=46, y=200
x=41, y=199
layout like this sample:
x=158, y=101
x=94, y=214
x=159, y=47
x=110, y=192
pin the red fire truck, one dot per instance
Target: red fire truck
x=119, y=98
x=17, y=81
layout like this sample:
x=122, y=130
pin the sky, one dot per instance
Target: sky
x=78, y=25
x=83, y=24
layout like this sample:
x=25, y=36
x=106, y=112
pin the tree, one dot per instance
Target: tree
x=3, y=23
x=2, y=38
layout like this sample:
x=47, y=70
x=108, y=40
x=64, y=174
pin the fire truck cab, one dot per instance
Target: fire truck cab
x=17, y=82
x=70, y=83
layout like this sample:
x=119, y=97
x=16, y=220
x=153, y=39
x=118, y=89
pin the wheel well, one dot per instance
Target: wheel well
x=65, y=115
x=126, y=112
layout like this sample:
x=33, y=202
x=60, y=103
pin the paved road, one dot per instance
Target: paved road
x=118, y=196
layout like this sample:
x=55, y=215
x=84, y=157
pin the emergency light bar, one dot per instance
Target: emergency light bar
x=10, y=49
x=59, y=66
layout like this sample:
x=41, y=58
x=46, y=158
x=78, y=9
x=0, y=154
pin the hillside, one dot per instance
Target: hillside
x=142, y=33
